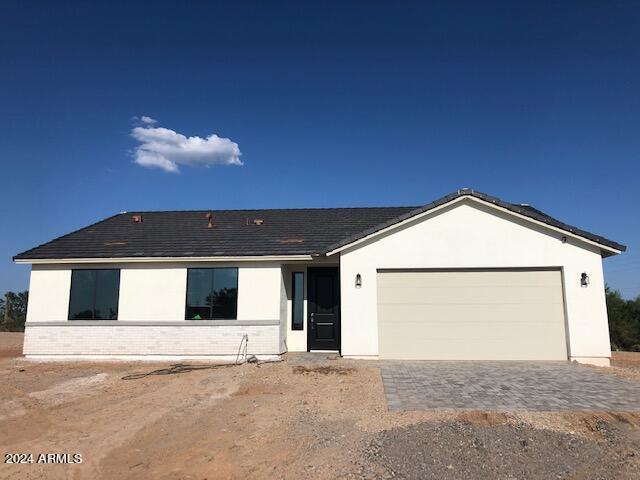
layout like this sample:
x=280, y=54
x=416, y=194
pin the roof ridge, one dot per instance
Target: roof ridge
x=131, y=212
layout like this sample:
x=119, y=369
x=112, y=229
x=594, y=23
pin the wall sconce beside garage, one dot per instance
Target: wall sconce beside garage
x=584, y=280
x=358, y=280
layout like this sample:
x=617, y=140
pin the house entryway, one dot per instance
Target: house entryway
x=323, y=297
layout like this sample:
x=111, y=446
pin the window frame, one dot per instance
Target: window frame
x=95, y=294
x=294, y=327
x=186, y=296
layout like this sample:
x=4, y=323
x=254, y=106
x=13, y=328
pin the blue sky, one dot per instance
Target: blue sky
x=331, y=104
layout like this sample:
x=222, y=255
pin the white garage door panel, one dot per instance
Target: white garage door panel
x=480, y=313
x=492, y=294
x=460, y=278
x=471, y=315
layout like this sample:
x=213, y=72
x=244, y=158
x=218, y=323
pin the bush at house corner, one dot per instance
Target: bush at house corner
x=13, y=311
x=624, y=321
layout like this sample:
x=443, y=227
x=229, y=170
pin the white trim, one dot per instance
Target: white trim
x=263, y=258
x=483, y=202
x=226, y=359
x=361, y=357
x=597, y=361
x=158, y=323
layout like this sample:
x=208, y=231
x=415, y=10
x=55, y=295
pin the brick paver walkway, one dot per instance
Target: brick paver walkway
x=505, y=386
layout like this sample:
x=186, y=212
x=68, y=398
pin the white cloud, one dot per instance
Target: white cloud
x=144, y=119
x=166, y=149
x=148, y=120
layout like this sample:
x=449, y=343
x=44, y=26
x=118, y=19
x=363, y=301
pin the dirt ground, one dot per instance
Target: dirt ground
x=11, y=344
x=281, y=421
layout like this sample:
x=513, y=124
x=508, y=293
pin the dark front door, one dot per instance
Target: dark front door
x=323, y=308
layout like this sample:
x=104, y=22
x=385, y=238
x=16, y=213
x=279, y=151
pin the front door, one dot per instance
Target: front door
x=323, y=308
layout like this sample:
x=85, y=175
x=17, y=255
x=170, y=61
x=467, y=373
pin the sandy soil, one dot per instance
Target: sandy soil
x=625, y=365
x=11, y=344
x=626, y=359
x=270, y=421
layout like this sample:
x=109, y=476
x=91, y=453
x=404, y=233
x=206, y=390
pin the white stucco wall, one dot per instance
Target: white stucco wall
x=469, y=235
x=283, y=310
x=259, y=292
x=154, y=292
x=49, y=289
x=152, y=295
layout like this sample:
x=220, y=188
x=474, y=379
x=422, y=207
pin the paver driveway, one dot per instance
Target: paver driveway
x=505, y=386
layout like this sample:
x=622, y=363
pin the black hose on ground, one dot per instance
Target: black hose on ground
x=241, y=358
x=177, y=368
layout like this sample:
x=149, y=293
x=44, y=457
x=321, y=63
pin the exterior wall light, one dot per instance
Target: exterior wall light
x=584, y=280
x=358, y=280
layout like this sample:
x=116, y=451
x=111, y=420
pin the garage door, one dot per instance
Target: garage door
x=471, y=315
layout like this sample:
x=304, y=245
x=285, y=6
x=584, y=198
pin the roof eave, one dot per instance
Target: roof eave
x=612, y=248
x=231, y=258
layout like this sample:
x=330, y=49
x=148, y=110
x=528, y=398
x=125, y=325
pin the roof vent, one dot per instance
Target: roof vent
x=210, y=218
x=258, y=221
x=136, y=218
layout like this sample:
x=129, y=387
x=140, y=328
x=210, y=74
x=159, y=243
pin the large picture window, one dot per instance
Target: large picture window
x=212, y=294
x=94, y=294
x=297, y=301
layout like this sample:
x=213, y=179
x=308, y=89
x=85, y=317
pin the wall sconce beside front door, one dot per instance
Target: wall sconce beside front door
x=358, y=280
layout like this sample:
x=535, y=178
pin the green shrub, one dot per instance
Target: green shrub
x=624, y=321
x=13, y=311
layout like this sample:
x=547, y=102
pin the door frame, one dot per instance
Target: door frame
x=311, y=271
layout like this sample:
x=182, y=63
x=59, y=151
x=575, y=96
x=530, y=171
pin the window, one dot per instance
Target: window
x=297, y=301
x=212, y=293
x=94, y=294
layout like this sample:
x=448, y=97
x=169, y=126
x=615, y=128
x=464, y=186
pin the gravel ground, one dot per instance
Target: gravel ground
x=462, y=450
x=626, y=365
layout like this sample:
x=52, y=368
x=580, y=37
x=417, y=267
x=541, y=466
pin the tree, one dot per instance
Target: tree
x=624, y=321
x=13, y=310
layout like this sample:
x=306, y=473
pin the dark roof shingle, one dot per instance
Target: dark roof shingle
x=185, y=233
x=283, y=231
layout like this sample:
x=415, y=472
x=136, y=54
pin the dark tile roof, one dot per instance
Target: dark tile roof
x=185, y=234
x=283, y=231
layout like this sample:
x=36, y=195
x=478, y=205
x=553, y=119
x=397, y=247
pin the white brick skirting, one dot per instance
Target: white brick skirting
x=149, y=339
